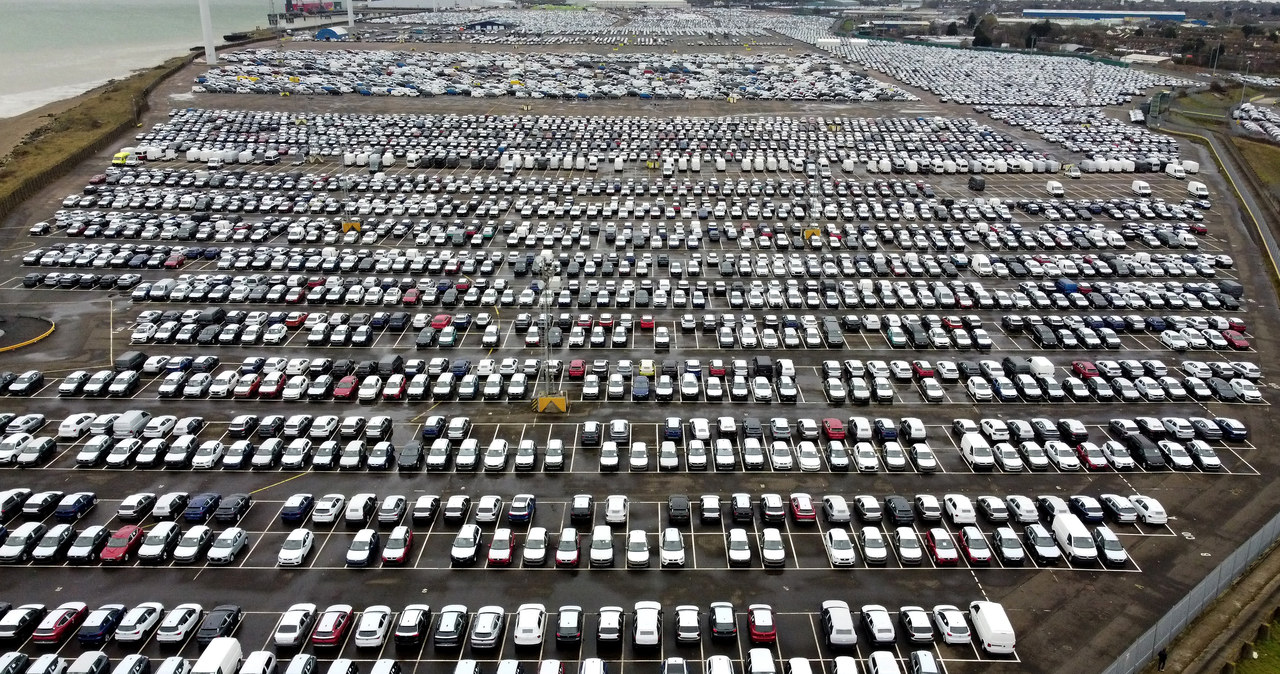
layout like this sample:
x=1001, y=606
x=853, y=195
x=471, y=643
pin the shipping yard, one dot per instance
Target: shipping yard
x=718, y=343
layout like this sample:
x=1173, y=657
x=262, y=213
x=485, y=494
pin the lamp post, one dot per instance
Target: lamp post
x=1242, y=83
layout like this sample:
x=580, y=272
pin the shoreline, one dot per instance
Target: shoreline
x=14, y=129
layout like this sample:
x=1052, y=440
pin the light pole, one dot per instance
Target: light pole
x=1217, y=52
x=1243, y=84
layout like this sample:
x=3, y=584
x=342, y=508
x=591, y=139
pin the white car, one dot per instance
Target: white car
x=1246, y=389
x=371, y=630
x=296, y=548
x=738, y=547
x=295, y=626
x=875, y=549
x=951, y=624
x=839, y=548
x=1149, y=510
x=637, y=549
x=959, y=508
x=139, y=621
x=529, y=625
x=773, y=552
x=671, y=547
x=179, y=623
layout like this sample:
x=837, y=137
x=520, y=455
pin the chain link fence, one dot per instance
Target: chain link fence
x=1144, y=649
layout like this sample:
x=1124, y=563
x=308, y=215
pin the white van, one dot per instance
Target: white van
x=992, y=627
x=221, y=656
x=1141, y=188
x=760, y=661
x=981, y=265
x=1054, y=188
x=1175, y=170
x=1197, y=189
x=977, y=452
x=1040, y=366
x=1074, y=538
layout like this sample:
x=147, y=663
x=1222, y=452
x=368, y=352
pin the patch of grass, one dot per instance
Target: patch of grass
x=77, y=128
x=1264, y=160
x=1211, y=103
x=1268, y=661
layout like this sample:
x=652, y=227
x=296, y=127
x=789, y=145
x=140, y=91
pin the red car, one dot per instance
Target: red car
x=1237, y=325
x=940, y=545
x=922, y=368
x=606, y=320
x=834, y=428
x=294, y=296
x=717, y=369
x=501, y=550
x=1235, y=340
x=332, y=626
x=395, y=388
x=248, y=386
x=346, y=388
x=975, y=546
x=646, y=323
x=441, y=321
x=272, y=385
x=1091, y=456
x=1084, y=369
x=411, y=297
x=802, y=508
x=396, y=550
x=760, y=619
x=952, y=322
x=175, y=261
x=60, y=622
x=122, y=544
x=577, y=369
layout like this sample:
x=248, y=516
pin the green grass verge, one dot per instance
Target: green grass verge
x=77, y=128
x=1268, y=661
x=1264, y=160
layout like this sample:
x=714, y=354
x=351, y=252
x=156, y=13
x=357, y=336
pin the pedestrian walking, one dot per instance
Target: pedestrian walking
x=1161, y=658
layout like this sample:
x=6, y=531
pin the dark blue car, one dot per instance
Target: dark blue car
x=74, y=506
x=201, y=506
x=100, y=624
x=297, y=507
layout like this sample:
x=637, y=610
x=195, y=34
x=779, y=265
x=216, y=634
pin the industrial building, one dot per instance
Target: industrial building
x=1103, y=15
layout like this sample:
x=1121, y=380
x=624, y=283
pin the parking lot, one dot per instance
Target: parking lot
x=550, y=276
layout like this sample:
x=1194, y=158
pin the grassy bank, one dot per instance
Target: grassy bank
x=87, y=125
x=1268, y=661
x=1264, y=160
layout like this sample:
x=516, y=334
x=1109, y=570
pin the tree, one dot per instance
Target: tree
x=1169, y=32
x=1139, y=32
x=1250, y=30
x=971, y=20
x=1041, y=29
x=953, y=29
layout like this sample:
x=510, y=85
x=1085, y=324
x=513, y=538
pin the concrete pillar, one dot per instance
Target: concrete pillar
x=351, y=13
x=206, y=29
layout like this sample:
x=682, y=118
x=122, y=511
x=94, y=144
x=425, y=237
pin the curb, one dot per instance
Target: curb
x=52, y=326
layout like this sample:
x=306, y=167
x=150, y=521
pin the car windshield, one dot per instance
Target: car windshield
x=360, y=544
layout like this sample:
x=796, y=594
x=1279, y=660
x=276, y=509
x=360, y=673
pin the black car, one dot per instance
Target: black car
x=232, y=508
x=740, y=504
x=411, y=457
x=581, y=508
x=220, y=622
x=21, y=622
x=678, y=508
x=899, y=511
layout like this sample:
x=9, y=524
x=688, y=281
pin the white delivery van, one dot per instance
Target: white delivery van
x=1040, y=366
x=991, y=627
x=1141, y=188
x=1175, y=170
x=131, y=424
x=981, y=265
x=1054, y=188
x=977, y=452
x=1197, y=189
x=1074, y=538
x=222, y=656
